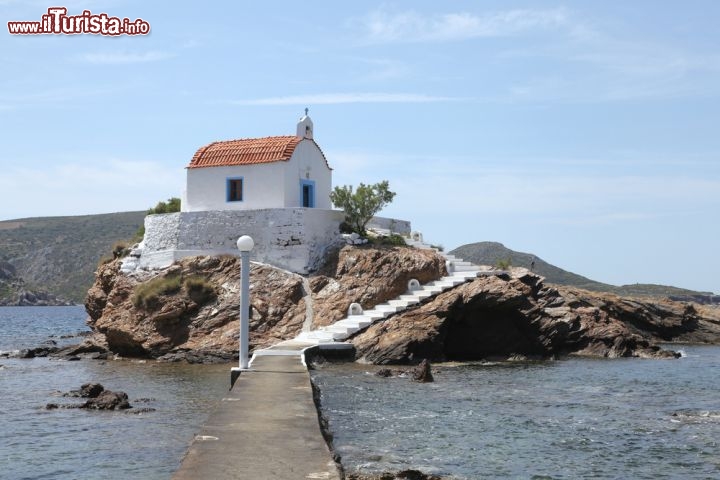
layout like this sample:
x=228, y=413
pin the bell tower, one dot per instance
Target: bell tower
x=305, y=126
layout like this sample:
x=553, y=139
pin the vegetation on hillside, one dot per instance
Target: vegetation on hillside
x=147, y=295
x=59, y=254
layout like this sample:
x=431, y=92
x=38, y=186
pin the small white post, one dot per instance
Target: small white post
x=244, y=244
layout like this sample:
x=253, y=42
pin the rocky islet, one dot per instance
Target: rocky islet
x=505, y=316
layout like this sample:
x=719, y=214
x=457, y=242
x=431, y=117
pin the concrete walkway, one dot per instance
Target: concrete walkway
x=266, y=427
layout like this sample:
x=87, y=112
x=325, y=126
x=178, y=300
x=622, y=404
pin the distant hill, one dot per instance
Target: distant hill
x=59, y=255
x=490, y=253
x=51, y=257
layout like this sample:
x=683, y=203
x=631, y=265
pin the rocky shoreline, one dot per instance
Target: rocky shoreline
x=520, y=317
x=502, y=316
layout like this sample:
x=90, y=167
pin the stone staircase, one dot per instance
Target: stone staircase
x=332, y=337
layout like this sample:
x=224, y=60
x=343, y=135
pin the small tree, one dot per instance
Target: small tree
x=362, y=204
x=171, y=206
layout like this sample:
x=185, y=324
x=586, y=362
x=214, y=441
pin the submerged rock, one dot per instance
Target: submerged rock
x=87, y=390
x=98, y=399
x=108, y=400
x=422, y=372
x=402, y=475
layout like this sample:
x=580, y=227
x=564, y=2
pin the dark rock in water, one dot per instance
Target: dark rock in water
x=415, y=475
x=422, y=372
x=384, y=372
x=87, y=390
x=108, y=400
x=98, y=399
x=140, y=411
x=87, y=349
x=198, y=357
x=144, y=400
x=403, y=475
x=43, y=351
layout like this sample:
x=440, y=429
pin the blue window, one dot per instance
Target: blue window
x=307, y=193
x=235, y=189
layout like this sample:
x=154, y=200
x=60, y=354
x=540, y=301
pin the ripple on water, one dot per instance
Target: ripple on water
x=576, y=418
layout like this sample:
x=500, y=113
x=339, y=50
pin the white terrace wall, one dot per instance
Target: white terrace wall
x=295, y=239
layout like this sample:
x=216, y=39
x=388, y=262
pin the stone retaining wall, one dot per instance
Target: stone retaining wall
x=294, y=239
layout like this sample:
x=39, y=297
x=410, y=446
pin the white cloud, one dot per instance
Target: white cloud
x=341, y=98
x=121, y=58
x=381, y=26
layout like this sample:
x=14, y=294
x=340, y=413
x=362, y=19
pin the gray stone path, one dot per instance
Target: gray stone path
x=266, y=427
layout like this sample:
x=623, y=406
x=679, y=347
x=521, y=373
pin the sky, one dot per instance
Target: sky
x=585, y=132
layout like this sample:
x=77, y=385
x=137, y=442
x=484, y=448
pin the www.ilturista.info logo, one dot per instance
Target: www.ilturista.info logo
x=58, y=22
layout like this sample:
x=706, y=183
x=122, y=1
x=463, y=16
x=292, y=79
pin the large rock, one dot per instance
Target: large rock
x=369, y=276
x=503, y=317
x=176, y=326
x=176, y=322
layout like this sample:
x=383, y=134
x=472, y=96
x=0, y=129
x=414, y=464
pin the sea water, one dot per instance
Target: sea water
x=576, y=418
x=568, y=419
x=36, y=443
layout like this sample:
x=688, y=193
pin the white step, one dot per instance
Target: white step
x=404, y=303
x=467, y=274
x=467, y=268
x=430, y=289
x=337, y=328
x=416, y=295
x=374, y=314
x=269, y=352
x=449, y=281
x=359, y=320
x=316, y=336
x=387, y=307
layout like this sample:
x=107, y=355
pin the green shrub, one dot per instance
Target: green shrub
x=504, y=264
x=146, y=294
x=199, y=289
x=439, y=248
x=394, y=239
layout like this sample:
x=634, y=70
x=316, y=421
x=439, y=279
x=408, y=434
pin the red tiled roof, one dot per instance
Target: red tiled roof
x=246, y=151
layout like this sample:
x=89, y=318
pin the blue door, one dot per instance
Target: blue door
x=307, y=193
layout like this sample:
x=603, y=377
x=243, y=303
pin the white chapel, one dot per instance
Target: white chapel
x=258, y=173
x=274, y=189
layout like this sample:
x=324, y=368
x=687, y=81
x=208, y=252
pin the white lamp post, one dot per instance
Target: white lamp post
x=244, y=244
